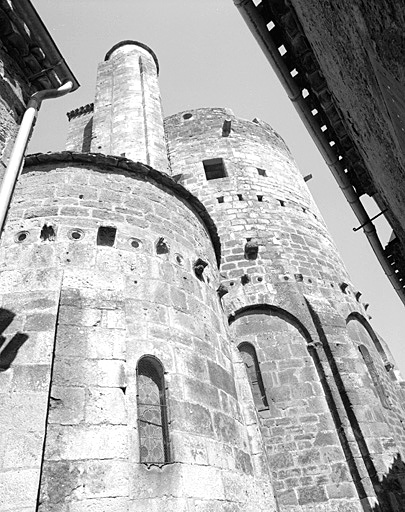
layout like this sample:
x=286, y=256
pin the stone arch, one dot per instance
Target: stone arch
x=152, y=411
x=298, y=429
x=377, y=344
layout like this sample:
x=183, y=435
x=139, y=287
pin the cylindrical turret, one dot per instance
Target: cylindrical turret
x=127, y=109
x=287, y=294
x=126, y=355
x=271, y=230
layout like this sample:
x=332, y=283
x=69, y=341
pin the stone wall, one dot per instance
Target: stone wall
x=360, y=50
x=287, y=293
x=128, y=117
x=106, y=307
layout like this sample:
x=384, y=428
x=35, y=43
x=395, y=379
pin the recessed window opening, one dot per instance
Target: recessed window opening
x=314, y=112
x=294, y=72
x=214, y=168
x=162, y=247
x=260, y=198
x=240, y=197
x=332, y=143
x=305, y=93
x=106, y=236
x=261, y=172
x=324, y=128
x=249, y=357
x=270, y=25
x=152, y=412
x=47, y=233
x=220, y=199
x=282, y=203
x=375, y=377
x=187, y=116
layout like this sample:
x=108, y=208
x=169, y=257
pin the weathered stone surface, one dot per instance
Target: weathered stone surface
x=108, y=314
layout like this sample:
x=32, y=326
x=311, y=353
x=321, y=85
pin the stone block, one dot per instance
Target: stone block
x=24, y=412
x=202, y=482
x=92, y=372
x=31, y=378
x=156, y=482
x=40, y=322
x=226, y=428
x=221, y=378
x=18, y=488
x=86, y=442
x=105, y=405
x=188, y=448
x=311, y=495
x=22, y=449
x=106, y=478
x=192, y=418
x=66, y=405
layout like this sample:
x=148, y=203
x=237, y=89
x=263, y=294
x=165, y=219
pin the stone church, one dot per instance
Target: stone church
x=179, y=332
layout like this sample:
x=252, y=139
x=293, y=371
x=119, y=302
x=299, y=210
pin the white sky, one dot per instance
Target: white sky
x=208, y=58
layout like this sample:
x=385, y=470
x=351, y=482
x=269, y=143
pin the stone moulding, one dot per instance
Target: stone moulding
x=136, y=168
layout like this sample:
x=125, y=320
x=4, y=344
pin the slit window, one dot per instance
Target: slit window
x=106, y=236
x=249, y=357
x=152, y=412
x=214, y=168
x=375, y=377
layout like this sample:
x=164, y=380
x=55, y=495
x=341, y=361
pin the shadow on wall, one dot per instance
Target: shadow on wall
x=391, y=493
x=9, y=350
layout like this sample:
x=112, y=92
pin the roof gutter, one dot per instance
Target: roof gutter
x=27, y=12
x=260, y=32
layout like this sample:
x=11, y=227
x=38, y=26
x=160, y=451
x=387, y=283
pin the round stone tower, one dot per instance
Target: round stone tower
x=288, y=299
x=188, y=342
x=127, y=117
x=119, y=389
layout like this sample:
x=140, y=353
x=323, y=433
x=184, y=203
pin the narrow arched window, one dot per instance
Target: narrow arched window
x=249, y=357
x=372, y=370
x=152, y=412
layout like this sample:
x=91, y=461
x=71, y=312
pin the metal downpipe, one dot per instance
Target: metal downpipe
x=17, y=155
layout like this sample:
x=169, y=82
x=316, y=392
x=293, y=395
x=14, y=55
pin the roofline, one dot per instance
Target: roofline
x=143, y=171
x=28, y=13
x=331, y=156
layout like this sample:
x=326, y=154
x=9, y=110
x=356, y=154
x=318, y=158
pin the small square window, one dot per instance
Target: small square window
x=106, y=236
x=214, y=168
x=261, y=172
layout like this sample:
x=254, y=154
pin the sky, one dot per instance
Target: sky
x=208, y=58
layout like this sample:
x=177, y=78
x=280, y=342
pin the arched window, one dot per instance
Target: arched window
x=152, y=413
x=372, y=370
x=249, y=357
